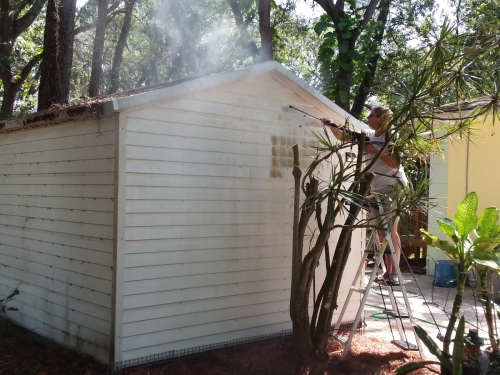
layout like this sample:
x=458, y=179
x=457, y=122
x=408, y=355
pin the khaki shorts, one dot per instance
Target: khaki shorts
x=388, y=205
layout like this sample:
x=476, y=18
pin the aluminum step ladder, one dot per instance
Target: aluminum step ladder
x=398, y=311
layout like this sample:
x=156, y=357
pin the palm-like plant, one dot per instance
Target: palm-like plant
x=416, y=129
x=473, y=242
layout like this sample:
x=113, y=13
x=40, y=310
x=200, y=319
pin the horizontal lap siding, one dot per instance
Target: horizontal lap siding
x=56, y=231
x=209, y=212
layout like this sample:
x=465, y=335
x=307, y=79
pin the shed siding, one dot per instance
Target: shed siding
x=209, y=201
x=56, y=231
x=439, y=192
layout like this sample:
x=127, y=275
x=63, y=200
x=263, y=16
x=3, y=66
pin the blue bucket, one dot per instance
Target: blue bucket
x=444, y=274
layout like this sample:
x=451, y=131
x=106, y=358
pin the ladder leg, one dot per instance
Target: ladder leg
x=349, y=294
x=374, y=243
x=362, y=304
x=405, y=295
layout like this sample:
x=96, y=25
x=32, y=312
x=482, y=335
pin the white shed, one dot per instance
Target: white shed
x=160, y=220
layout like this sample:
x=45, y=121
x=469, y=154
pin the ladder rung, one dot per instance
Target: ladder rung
x=405, y=345
x=395, y=314
x=382, y=282
x=359, y=290
x=338, y=338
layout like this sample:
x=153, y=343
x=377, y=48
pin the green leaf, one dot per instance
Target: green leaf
x=484, y=255
x=323, y=24
x=442, y=245
x=343, y=47
x=346, y=65
x=487, y=222
x=326, y=53
x=447, y=227
x=343, y=96
x=330, y=39
x=458, y=347
x=413, y=366
x=433, y=348
x=347, y=34
x=447, y=248
x=466, y=218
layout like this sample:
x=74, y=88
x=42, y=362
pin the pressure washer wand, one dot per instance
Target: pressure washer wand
x=355, y=136
x=304, y=112
x=317, y=118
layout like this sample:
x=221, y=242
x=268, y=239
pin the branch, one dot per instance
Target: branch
x=329, y=7
x=26, y=71
x=4, y=25
x=370, y=9
x=90, y=26
x=296, y=253
x=20, y=25
x=338, y=10
x=238, y=18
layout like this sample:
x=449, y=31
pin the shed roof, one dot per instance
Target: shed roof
x=466, y=105
x=108, y=105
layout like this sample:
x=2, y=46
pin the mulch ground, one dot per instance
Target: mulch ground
x=21, y=353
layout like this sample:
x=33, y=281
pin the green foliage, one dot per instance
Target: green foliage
x=18, y=53
x=295, y=43
x=473, y=239
x=453, y=363
x=5, y=301
x=349, y=47
x=473, y=243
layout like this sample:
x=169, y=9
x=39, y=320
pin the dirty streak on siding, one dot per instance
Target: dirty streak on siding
x=56, y=218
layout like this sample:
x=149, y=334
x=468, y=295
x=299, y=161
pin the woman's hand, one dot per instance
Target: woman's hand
x=370, y=149
x=326, y=121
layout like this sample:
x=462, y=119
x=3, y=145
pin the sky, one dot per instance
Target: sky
x=304, y=7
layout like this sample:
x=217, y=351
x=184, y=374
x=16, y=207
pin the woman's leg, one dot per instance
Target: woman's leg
x=396, y=241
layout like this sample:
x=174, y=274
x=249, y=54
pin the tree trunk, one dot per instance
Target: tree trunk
x=98, y=50
x=266, y=33
x=10, y=29
x=342, y=86
x=344, y=82
x=57, y=57
x=335, y=273
x=120, y=46
x=238, y=17
x=5, y=30
x=364, y=88
x=187, y=53
x=11, y=87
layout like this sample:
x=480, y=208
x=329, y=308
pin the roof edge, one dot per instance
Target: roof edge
x=106, y=108
x=320, y=97
x=54, y=116
x=121, y=104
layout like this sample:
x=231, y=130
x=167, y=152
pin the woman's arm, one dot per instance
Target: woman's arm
x=391, y=160
x=338, y=132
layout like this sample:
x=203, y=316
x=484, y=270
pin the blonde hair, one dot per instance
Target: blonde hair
x=384, y=115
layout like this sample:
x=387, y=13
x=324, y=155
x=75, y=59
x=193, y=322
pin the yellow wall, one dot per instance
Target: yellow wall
x=467, y=166
x=472, y=166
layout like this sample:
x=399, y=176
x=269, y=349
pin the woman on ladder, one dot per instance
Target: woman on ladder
x=388, y=172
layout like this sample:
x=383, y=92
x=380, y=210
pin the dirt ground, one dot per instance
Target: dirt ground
x=21, y=353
